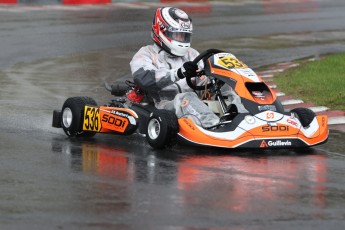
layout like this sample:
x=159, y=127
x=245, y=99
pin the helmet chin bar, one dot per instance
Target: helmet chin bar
x=175, y=48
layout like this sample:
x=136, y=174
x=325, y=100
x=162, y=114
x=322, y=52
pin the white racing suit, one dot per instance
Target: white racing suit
x=155, y=71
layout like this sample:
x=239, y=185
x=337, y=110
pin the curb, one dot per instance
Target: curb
x=336, y=118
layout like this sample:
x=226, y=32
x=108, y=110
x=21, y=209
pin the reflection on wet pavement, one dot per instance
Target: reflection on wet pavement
x=203, y=182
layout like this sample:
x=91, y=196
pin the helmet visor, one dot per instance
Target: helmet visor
x=179, y=36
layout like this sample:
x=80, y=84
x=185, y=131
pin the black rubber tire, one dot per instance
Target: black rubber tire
x=305, y=115
x=168, y=129
x=76, y=105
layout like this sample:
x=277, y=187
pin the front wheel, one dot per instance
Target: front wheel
x=162, y=129
x=305, y=115
x=72, y=116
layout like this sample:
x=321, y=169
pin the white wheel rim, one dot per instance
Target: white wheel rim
x=154, y=128
x=67, y=117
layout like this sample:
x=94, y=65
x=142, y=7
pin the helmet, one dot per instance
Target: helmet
x=172, y=30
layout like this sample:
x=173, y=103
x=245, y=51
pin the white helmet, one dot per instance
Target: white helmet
x=172, y=30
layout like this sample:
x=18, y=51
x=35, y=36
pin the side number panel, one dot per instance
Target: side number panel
x=92, y=119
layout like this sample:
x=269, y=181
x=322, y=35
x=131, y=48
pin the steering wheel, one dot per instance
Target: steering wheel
x=202, y=56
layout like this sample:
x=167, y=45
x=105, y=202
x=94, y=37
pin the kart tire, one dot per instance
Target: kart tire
x=162, y=128
x=305, y=115
x=72, y=116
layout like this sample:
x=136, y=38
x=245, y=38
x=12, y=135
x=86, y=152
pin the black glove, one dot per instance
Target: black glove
x=187, y=70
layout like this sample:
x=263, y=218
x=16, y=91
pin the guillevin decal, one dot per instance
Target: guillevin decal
x=265, y=144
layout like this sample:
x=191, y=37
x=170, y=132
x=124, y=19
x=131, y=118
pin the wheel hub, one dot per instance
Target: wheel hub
x=154, y=128
x=67, y=117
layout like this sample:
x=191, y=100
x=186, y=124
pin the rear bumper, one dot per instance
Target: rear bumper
x=56, y=119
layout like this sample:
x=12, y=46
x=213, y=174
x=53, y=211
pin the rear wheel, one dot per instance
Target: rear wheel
x=162, y=129
x=305, y=115
x=72, y=116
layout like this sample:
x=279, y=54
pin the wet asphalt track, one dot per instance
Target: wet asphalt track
x=51, y=182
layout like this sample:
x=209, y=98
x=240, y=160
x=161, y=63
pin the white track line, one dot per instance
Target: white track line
x=272, y=71
x=336, y=120
x=266, y=75
x=292, y=102
x=272, y=86
x=280, y=94
x=318, y=109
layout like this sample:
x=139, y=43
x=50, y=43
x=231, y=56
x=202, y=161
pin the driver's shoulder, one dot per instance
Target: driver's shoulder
x=145, y=52
x=192, y=53
x=148, y=49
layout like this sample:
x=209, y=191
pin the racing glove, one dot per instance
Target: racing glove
x=187, y=70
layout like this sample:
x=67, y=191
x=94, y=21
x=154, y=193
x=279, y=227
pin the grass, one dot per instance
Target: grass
x=321, y=82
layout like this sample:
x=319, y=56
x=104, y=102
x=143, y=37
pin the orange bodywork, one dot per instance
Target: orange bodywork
x=191, y=132
x=240, y=88
x=233, y=139
x=321, y=135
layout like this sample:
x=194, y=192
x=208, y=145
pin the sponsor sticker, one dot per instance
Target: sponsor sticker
x=114, y=122
x=278, y=143
x=184, y=103
x=292, y=122
x=270, y=115
x=258, y=94
x=323, y=122
x=263, y=144
x=190, y=125
x=267, y=107
x=277, y=128
x=185, y=25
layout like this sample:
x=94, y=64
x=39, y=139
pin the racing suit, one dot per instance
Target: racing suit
x=155, y=71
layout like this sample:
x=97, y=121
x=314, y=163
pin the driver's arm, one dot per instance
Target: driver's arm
x=148, y=76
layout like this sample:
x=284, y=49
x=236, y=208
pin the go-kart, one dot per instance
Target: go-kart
x=266, y=124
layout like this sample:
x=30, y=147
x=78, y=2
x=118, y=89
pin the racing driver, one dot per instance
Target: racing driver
x=160, y=69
